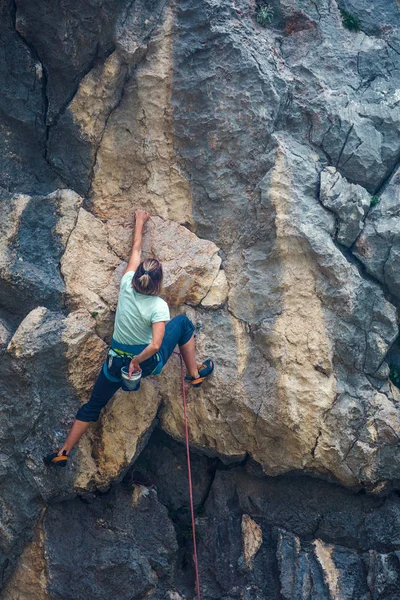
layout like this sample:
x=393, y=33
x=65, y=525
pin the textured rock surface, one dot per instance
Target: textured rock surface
x=349, y=202
x=292, y=537
x=312, y=539
x=190, y=265
x=378, y=248
x=34, y=233
x=268, y=157
x=29, y=580
x=296, y=373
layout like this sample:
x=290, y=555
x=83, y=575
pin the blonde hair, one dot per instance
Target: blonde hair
x=148, y=277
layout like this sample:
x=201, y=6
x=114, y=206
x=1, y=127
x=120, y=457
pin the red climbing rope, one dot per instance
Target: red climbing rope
x=196, y=566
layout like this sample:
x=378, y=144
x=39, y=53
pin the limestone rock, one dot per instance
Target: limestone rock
x=126, y=537
x=60, y=358
x=378, y=248
x=252, y=539
x=29, y=580
x=88, y=268
x=316, y=531
x=357, y=133
x=23, y=107
x=196, y=112
x=330, y=571
x=69, y=46
x=296, y=369
x=29, y=254
x=89, y=264
x=34, y=334
x=349, y=202
x=190, y=264
x=118, y=438
x=218, y=294
x=388, y=14
x=74, y=138
x=145, y=173
x=163, y=464
x=113, y=443
x=5, y=334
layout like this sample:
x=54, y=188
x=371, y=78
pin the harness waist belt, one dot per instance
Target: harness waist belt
x=127, y=349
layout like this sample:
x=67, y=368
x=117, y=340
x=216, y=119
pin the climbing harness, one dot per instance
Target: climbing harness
x=196, y=566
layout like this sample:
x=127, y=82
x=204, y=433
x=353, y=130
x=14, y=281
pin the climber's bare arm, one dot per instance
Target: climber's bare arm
x=158, y=330
x=141, y=216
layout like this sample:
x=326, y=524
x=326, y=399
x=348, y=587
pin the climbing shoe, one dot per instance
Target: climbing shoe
x=204, y=371
x=54, y=459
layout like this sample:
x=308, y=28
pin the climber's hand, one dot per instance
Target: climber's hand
x=141, y=215
x=133, y=367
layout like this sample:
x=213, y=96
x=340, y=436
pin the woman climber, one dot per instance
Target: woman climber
x=144, y=338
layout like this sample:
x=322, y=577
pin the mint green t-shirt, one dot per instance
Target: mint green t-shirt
x=135, y=314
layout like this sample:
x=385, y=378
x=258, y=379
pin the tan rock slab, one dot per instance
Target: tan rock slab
x=218, y=294
x=32, y=333
x=29, y=579
x=114, y=442
x=96, y=97
x=190, y=264
x=88, y=267
x=252, y=539
x=136, y=166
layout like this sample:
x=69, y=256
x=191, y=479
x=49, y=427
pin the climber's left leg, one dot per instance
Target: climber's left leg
x=77, y=430
x=102, y=392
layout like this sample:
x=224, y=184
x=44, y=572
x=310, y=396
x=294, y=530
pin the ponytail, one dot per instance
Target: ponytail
x=148, y=277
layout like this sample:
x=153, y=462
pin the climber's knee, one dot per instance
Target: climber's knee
x=187, y=329
x=88, y=413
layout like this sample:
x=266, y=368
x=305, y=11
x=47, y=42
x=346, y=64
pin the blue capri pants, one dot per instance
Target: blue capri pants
x=178, y=331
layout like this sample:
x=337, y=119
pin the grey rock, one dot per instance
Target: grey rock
x=22, y=113
x=35, y=231
x=5, y=333
x=349, y=202
x=75, y=133
x=69, y=40
x=307, y=508
x=378, y=247
x=38, y=404
x=379, y=18
x=121, y=545
x=383, y=575
x=317, y=570
x=74, y=138
x=168, y=471
x=343, y=97
x=21, y=508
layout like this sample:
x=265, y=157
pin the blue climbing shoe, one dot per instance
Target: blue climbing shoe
x=204, y=371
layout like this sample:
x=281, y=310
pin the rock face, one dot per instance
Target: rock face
x=267, y=152
x=378, y=247
x=349, y=202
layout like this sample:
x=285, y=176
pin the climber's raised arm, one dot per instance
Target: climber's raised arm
x=141, y=216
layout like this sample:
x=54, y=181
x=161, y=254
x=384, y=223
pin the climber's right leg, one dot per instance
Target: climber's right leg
x=180, y=331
